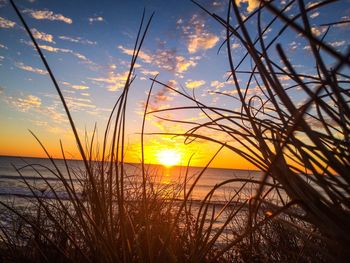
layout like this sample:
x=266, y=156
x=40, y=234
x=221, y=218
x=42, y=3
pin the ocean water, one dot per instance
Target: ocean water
x=12, y=183
x=15, y=171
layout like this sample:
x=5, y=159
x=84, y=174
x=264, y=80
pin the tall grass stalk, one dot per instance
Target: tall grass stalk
x=303, y=150
x=302, y=146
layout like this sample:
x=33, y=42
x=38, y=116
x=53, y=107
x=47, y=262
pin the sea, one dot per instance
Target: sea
x=15, y=171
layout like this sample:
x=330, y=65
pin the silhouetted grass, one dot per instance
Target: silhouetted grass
x=109, y=215
x=302, y=146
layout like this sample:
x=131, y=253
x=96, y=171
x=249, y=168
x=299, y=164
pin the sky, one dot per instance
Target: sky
x=88, y=46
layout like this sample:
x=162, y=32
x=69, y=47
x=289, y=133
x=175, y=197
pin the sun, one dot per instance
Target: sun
x=168, y=157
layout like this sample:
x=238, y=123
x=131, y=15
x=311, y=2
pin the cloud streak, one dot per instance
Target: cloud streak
x=48, y=15
x=24, y=104
x=251, y=4
x=192, y=84
x=78, y=40
x=198, y=38
x=5, y=23
x=165, y=59
x=74, y=86
x=114, y=81
x=96, y=19
x=42, y=36
x=69, y=51
x=21, y=65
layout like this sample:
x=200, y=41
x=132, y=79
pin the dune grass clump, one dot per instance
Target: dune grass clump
x=297, y=212
x=105, y=214
x=302, y=146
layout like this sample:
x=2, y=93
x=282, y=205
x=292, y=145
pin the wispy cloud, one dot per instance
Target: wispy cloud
x=21, y=65
x=314, y=15
x=96, y=19
x=236, y=45
x=162, y=96
x=80, y=87
x=3, y=46
x=75, y=86
x=42, y=36
x=192, y=84
x=34, y=104
x=114, y=81
x=48, y=15
x=337, y=43
x=251, y=4
x=65, y=50
x=183, y=64
x=317, y=31
x=164, y=59
x=77, y=104
x=78, y=40
x=312, y=3
x=24, y=104
x=142, y=55
x=149, y=72
x=200, y=38
x=202, y=42
x=217, y=84
x=5, y=23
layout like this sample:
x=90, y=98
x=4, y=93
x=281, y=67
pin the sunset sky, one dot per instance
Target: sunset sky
x=88, y=46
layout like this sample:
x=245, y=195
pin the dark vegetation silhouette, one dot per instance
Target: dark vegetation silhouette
x=302, y=148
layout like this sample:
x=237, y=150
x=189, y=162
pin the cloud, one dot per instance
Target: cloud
x=192, y=84
x=217, y=84
x=183, y=64
x=142, y=55
x=166, y=59
x=337, y=43
x=73, y=86
x=114, y=81
x=42, y=36
x=78, y=40
x=21, y=65
x=251, y=4
x=236, y=45
x=317, y=31
x=65, y=50
x=80, y=87
x=54, y=49
x=24, y=104
x=5, y=23
x=198, y=39
x=96, y=19
x=3, y=46
x=307, y=47
x=201, y=41
x=217, y=3
x=79, y=103
x=312, y=3
x=48, y=15
x=316, y=14
x=161, y=96
x=294, y=45
x=149, y=72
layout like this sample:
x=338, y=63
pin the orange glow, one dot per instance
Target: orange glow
x=168, y=157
